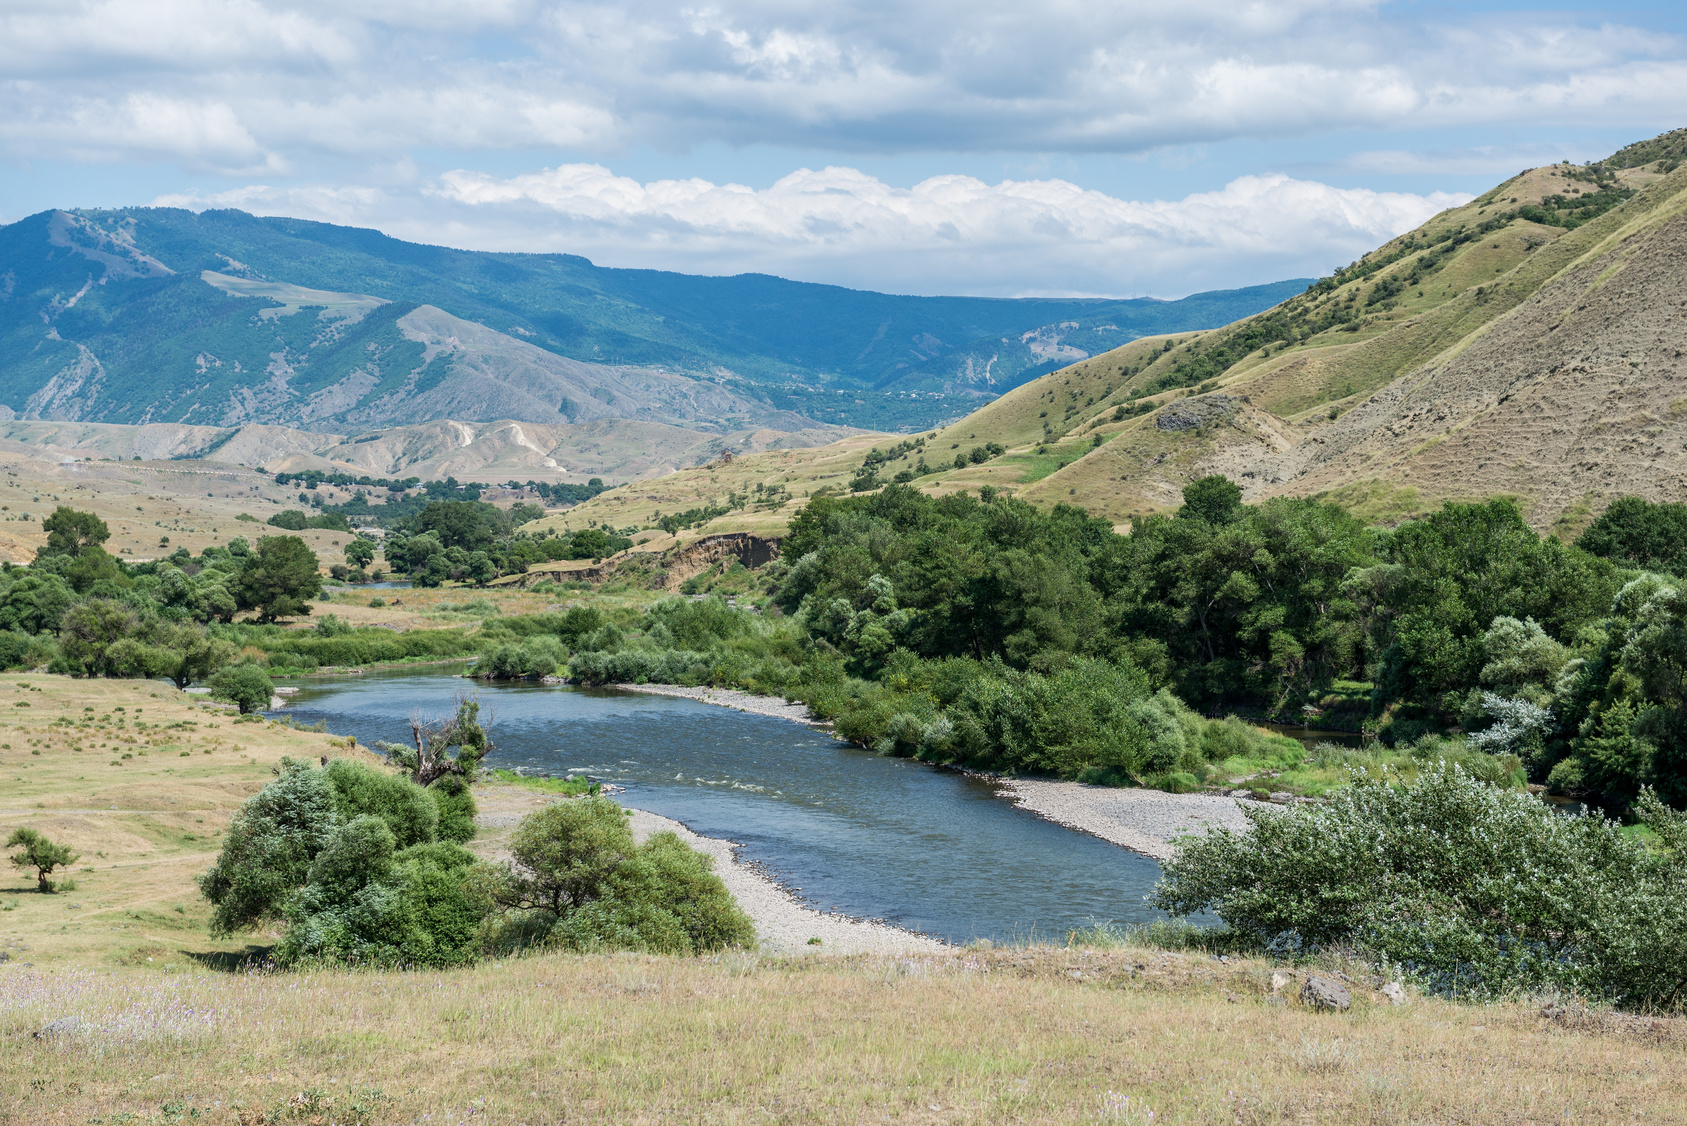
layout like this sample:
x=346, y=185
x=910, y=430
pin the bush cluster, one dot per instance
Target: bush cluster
x=1470, y=889
x=363, y=867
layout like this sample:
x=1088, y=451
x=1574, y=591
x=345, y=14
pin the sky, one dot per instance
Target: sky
x=993, y=147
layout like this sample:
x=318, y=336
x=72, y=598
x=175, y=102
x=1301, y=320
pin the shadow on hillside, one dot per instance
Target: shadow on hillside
x=251, y=959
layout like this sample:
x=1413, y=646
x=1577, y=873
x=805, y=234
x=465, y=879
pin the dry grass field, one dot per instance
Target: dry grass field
x=160, y=1024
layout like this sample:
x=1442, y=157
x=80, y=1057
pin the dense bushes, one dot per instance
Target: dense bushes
x=364, y=867
x=584, y=885
x=1468, y=888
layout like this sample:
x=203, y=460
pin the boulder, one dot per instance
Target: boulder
x=1321, y=992
x=64, y=1026
x=1395, y=992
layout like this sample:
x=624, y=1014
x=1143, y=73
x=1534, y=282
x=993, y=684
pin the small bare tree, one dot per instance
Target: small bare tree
x=443, y=746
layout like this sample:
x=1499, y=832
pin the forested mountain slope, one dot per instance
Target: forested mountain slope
x=221, y=318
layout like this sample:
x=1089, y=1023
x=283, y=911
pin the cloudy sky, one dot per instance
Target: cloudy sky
x=999, y=147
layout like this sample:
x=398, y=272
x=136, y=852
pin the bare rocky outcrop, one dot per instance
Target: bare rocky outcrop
x=682, y=563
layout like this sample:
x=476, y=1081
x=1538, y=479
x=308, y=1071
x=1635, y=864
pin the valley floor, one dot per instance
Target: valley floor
x=144, y=1018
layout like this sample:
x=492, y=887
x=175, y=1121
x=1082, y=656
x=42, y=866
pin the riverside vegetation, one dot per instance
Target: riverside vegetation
x=987, y=633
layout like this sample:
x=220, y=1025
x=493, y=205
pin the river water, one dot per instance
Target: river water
x=930, y=850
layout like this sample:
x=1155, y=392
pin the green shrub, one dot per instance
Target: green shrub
x=409, y=812
x=451, y=795
x=246, y=686
x=663, y=899
x=591, y=887
x=540, y=656
x=1469, y=888
x=269, y=848
x=368, y=903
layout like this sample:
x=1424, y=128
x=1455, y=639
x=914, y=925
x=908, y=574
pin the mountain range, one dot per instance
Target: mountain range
x=223, y=319
x=1527, y=344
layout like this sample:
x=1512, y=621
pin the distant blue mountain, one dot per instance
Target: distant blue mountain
x=222, y=318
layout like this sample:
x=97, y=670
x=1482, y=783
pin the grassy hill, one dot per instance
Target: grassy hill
x=1528, y=344
x=220, y=318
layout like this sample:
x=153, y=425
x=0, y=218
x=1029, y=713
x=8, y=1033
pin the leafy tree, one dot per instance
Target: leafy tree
x=35, y=603
x=269, y=848
x=565, y=853
x=1640, y=533
x=360, y=552
x=1216, y=499
x=246, y=686
x=278, y=579
x=188, y=653
x=290, y=519
x=1448, y=576
x=462, y=523
x=69, y=532
x=39, y=853
x=90, y=629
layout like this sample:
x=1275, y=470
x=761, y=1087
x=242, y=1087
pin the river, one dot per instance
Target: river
x=847, y=830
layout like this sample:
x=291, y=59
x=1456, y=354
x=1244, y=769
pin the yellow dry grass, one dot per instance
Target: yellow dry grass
x=193, y=504
x=141, y=780
x=1033, y=1036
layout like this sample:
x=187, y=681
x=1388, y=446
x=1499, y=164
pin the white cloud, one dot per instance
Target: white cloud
x=947, y=234
x=378, y=79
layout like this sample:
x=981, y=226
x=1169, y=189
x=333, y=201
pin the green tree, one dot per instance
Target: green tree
x=462, y=523
x=246, y=686
x=39, y=853
x=189, y=652
x=1640, y=533
x=360, y=552
x=278, y=579
x=70, y=531
x=564, y=853
x=289, y=519
x=1215, y=499
x=1445, y=579
x=35, y=603
x=269, y=848
x=89, y=631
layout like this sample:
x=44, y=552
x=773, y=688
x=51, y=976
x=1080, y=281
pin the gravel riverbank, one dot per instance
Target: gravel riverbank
x=1145, y=821
x=732, y=698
